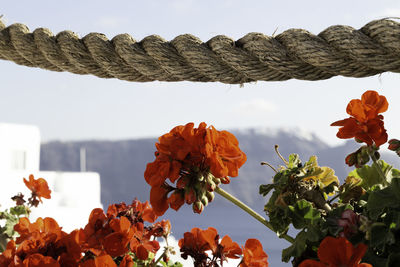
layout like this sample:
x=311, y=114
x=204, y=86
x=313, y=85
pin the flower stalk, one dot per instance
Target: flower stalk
x=378, y=168
x=250, y=211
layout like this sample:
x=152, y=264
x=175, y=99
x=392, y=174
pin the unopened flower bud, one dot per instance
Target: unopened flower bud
x=394, y=145
x=200, y=176
x=210, y=196
x=204, y=200
x=198, y=207
x=351, y=159
x=224, y=180
x=217, y=181
x=211, y=186
x=190, y=196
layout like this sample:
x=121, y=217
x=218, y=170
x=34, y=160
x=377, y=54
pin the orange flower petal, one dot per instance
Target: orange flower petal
x=159, y=199
x=254, y=255
x=231, y=249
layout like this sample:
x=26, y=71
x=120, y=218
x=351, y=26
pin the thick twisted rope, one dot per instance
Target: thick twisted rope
x=295, y=53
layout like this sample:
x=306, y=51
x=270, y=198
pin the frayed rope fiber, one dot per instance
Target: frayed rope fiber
x=295, y=53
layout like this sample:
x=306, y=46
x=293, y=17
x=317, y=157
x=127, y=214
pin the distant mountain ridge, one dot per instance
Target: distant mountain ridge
x=121, y=164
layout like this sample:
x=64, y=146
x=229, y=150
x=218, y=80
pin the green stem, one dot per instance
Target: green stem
x=378, y=168
x=159, y=258
x=250, y=211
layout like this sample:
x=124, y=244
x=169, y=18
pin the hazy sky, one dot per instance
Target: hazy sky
x=70, y=107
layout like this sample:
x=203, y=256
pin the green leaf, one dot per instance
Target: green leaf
x=265, y=189
x=371, y=176
x=3, y=242
x=294, y=161
x=395, y=185
x=279, y=221
x=382, y=199
x=381, y=236
x=374, y=260
x=19, y=210
x=297, y=248
x=393, y=260
x=314, y=234
x=302, y=214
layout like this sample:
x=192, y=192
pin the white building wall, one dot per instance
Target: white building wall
x=74, y=194
x=19, y=147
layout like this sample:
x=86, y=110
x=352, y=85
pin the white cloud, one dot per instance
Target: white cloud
x=256, y=106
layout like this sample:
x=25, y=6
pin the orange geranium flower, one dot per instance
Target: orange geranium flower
x=8, y=255
x=39, y=187
x=338, y=252
x=116, y=243
x=140, y=243
x=103, y=260
x=38, y=260
x=122, y=231
x=197, y=241
x=365, y=123
x=193, y=244
x=95, y=232
x=41, y=243
x=136, y=212
x=197, y=160
x=254, y=255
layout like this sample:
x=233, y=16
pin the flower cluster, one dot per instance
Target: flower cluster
x=338, y=225
x=42, y=242
x=197, y=160
x=119, y=236
x=365, y=123
x=196, y=242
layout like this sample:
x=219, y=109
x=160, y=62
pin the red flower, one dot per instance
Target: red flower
x=8, y=254
x=38, y=260
x=338, y=252
x=95, y=232
x=38, y=187
x=197, y=241
x=116, y=243
x=127, y=261
x=193, y=244
x=140, y=244
x=254, y=255
x=365, y=124
x=103, y=260
x=41, y=243
x=197, y=159
x=162, y=228
x=136, y=212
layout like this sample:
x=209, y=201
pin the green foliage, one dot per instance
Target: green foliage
x=297, y=248
x=371, y=176
x=11, y=218
x=265, y=189
x=303, y=214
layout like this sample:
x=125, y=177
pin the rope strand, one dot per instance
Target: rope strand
x=295, y=53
